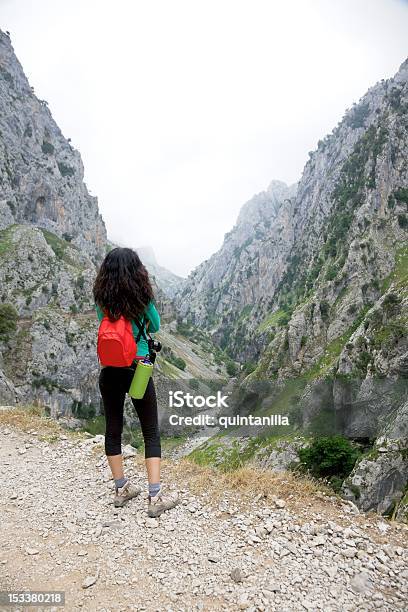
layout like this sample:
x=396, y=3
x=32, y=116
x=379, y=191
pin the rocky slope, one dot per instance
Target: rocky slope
x=41, y=174
x=313, y=290
x=217, y=552
x=222, y=292
x=329, y=244
x=52, y=239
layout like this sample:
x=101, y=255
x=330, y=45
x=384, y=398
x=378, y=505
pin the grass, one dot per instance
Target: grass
x=6, y=241
x=34, y=418
x=168, y=369
x=399, y=275
x=59, y=246
x=272, y=320
x=248, y=480
x=333, y=349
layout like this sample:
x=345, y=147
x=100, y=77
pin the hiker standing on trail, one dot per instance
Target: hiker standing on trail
x=124, y=304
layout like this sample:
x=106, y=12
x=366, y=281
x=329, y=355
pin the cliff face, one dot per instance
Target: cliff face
x=41, y=174
x=313, y=290
x=52, y=239
x=303, y=267
x=241, y=277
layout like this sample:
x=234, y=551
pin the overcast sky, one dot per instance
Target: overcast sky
x=183, y=109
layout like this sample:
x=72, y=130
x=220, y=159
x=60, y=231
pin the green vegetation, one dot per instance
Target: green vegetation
x=47, y=148
x=349, y=193
x=330, y=457
x=48, y=384
x=388, y=335
x=65, y=170
x=401, y=195
x=333, y=349
x=83, y=411
x=8, y=320
x=358, y=116
x=399, y=276
x=245, y=312
x=403, y=220
x=249, y=367
x=279, y=318
x=169, y=355
x=6, y=240
x=232, y=368
x=58, y=245
x=178, y=362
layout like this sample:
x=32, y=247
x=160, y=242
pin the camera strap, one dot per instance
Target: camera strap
x=142, y=329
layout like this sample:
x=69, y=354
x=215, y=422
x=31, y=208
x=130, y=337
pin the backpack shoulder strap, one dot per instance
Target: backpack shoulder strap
x=141, y=328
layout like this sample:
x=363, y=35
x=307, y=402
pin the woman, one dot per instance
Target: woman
x=122, y=287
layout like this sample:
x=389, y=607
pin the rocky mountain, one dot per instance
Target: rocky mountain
x=222, y=291
x=52, y=238
x=168, y=282
x=310, y=287
x=303, y=266
x=41, y=173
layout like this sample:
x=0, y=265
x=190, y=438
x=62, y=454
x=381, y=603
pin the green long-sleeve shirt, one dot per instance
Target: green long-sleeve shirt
x=151, y=315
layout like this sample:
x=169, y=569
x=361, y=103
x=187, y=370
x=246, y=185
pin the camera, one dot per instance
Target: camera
x=154, y=345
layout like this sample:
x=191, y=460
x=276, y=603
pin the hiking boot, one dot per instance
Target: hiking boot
x=125, y=493
x=161, y=502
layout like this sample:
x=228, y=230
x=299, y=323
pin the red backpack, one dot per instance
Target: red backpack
x=116, y=343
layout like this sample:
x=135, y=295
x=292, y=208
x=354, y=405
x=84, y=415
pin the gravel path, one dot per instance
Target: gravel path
x=60, y=531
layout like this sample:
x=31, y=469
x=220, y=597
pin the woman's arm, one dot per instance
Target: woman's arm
x=153, y=316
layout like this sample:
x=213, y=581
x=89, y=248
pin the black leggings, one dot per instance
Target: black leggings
x=114, y=383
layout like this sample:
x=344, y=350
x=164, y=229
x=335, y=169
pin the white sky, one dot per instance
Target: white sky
x=183, y=109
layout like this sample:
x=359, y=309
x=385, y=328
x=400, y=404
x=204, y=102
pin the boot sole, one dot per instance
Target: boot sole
x=120, y=504
x=156, y=513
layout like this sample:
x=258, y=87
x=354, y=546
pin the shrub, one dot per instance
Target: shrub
x=401, y=194
x=330, y=456
x=402, y=220
x=231, y=368
x=194, y=384
x=47, y=148
x=249, y=367
x=65, y=169
x=331, y=272
x=83, y=411
x=360, y=113
x=8, y=320
x=179, y=363
x=391, y=301
x=324, y=310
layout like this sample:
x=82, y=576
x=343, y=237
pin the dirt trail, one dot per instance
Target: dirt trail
x=59, y=527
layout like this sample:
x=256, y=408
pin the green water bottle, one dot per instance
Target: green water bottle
x=144, y=370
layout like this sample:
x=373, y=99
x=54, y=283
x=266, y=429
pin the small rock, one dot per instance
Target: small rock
x=151, y=522
x=361, y=583
x=32, y=551
x=89, y=581
x=237, y=575
x=318, y=541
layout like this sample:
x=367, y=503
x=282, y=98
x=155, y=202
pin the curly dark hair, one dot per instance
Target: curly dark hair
x=122, y=285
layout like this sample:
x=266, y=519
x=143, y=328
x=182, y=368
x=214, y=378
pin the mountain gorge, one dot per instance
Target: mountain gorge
x=309, y=293
x=302, y=264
